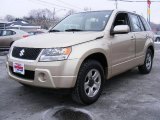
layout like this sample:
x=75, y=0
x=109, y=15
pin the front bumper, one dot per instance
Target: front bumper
x=57, y=74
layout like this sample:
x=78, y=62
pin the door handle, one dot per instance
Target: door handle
x=132, y=38
x=147, y=36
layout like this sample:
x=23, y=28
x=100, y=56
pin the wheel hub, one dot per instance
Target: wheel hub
x=92, y=83
x=148, y=61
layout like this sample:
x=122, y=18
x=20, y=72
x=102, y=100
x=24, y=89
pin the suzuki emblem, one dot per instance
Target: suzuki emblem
x=21, y=52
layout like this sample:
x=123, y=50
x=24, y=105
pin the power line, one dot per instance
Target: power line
x=49, y=3
x=133, y=1
x=68, y=4
x=53, y=4
x=43, y=4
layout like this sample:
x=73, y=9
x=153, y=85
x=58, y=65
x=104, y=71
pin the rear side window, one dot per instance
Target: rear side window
x=146, y=25
x=8, y=33
x=141, y=24
x=13, y=32
x=1, y=31
x=136, y=26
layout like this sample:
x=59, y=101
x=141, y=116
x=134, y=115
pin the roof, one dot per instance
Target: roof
x=112, y=10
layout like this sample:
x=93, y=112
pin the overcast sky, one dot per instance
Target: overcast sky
x=20, y=8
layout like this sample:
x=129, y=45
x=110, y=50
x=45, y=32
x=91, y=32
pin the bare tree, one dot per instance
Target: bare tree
x=43, y=17
x=9, y=18
x=70, y=12
x=87, y=9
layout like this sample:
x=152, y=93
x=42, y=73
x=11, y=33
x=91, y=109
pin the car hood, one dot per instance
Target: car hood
x=61, y=39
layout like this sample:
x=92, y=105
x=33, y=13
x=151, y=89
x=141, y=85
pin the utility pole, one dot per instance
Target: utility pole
x=149, y=10
x=116, y=3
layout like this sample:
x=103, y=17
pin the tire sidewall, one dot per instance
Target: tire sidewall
x=92, y=65
x=149, y=52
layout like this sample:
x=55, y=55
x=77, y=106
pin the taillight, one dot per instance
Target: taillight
x=24, y=36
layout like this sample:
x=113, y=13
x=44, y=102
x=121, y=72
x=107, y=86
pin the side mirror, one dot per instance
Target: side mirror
x=120, y=29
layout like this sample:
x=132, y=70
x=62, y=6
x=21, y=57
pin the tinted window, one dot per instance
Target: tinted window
x=136, y=27
x=121, y=19
x=146, y=25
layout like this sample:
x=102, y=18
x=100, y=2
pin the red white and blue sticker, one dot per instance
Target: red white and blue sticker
x=18, y=68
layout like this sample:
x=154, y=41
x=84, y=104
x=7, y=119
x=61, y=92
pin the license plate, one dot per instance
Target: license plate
x=18, y=68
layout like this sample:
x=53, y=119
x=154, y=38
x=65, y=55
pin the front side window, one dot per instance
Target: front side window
x=136, y=27
x=89, y=21
x=121, y=19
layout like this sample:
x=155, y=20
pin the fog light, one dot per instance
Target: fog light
x=42, y=77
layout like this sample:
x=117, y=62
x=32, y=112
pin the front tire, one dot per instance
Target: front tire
x=89, y=83
x=147, y=66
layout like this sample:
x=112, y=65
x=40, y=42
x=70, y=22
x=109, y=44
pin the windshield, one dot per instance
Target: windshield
x=89, y=21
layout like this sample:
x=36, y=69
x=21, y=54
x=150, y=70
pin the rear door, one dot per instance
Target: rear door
x=140, y=33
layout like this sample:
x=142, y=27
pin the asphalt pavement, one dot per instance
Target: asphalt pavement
x=129, y=96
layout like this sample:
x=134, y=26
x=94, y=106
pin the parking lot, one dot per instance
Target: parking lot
x=129, y=96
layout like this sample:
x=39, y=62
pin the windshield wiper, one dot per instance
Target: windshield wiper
x=70, y=30
x=54, y=30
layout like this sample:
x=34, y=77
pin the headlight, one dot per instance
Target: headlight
x=55, y=54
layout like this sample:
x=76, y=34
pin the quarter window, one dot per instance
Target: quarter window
x=141, y=24
x=146, y=25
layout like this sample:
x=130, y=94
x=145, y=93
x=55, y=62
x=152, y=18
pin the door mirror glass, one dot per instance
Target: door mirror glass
x=121, y=29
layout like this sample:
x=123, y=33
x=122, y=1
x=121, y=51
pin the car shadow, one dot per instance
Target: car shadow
x=57, y=97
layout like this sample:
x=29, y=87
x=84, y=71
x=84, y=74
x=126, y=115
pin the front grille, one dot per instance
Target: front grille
x=29, y=75
x=26, y=53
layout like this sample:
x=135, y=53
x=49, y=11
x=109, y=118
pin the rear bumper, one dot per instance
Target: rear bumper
x=58, y=74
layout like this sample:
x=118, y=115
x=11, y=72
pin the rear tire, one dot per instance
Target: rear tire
x=147, y=66
x=90, y=81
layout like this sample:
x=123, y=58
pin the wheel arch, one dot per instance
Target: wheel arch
x=151, y=47
x=100, y=57
x=11, y=43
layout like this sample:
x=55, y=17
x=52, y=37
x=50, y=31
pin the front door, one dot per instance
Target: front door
x=123, y=46
x=140, y=33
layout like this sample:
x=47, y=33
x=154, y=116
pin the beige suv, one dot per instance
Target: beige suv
x=82, y=51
